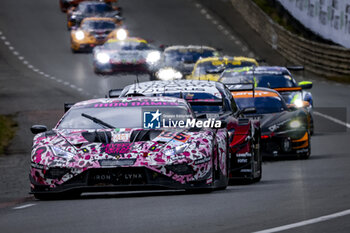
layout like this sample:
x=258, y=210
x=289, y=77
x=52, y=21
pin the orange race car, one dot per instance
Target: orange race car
x=94, y=31
x=66, y=4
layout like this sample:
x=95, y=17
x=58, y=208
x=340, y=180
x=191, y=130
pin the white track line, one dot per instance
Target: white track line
x=23, y=206
x=306, y=222
x=335, y=120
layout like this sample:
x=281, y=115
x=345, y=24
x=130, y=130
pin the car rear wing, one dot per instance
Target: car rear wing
x=201, y=102
x=114, y=93
x=240, y=86
x=295, y=68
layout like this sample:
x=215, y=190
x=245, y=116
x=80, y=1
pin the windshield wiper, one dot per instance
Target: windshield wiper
x=97, y=121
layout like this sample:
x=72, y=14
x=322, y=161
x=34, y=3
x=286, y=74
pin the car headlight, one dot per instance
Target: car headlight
x=153, y=57
x=122, y=34
x=299, y=103
x=79, y=35
x=168, y=74
x=102, y=58
x=62, y=153
x=176, y=150
x=295, y=124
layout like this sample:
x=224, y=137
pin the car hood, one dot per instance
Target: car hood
x=275, y=122
x=136, y=145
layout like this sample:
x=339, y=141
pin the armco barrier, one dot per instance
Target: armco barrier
x=322, y=59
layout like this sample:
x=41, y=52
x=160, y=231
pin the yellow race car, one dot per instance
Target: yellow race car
x=210, y=68
x=94, y=31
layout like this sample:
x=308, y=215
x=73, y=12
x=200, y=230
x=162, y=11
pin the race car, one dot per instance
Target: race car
x=211, y=68
x=130, y=54
x=284, y=131
x=85, y=9
x=66, y=4
x=277, y=78
x=181, y=59
x=128, y=144
x=212, y=100
x=92, y=32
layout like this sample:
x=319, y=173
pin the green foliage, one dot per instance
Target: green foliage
x=7, y=131
x=275, y=15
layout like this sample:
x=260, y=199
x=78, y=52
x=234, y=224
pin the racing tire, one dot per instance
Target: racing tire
x=311, y=125
x=306, y=155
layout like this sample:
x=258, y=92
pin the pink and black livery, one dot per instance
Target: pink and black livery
x=102, y=145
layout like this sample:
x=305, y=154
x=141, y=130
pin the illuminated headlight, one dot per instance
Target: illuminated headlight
x=168, y=74
x=299, y=103
x=73, y=16
x=153, y=57
x=295, y=124
x=62, y=153
x=102, y=58
x=122, y=34
x=176, y=150
x=79, y=35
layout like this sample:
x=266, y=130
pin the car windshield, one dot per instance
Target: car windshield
x=96, y=8
x=260, y=80
x=263, y=105
x=98, y=25
x=197, y=102
x=120, y=116
x=204, y=68
x=187, y=55
x=127, y=45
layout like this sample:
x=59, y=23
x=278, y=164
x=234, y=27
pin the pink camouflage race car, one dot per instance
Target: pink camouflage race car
x=128, y=144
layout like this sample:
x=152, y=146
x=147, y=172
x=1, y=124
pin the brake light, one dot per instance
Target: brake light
x=266, y=136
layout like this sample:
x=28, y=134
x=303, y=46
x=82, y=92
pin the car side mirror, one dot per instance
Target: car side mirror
x=35, y=129
x=305, y=85
x=114, y=93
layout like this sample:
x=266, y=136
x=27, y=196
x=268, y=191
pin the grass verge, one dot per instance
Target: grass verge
x=7, y=131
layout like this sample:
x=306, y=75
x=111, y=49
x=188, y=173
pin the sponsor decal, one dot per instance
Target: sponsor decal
x=242, y=160
x=174, y=158
x=124, y=137
x=244, y=155
x=134, y=104
x=116, y=148
x=201, y=161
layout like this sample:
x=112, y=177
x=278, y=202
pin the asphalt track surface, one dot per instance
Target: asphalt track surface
x=38, y=73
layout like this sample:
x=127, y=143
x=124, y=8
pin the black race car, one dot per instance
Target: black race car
x=212, y=100
x=284, y=130
x=181, y=59
x=91, y=9
x=279, y=79
x=66, y=4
